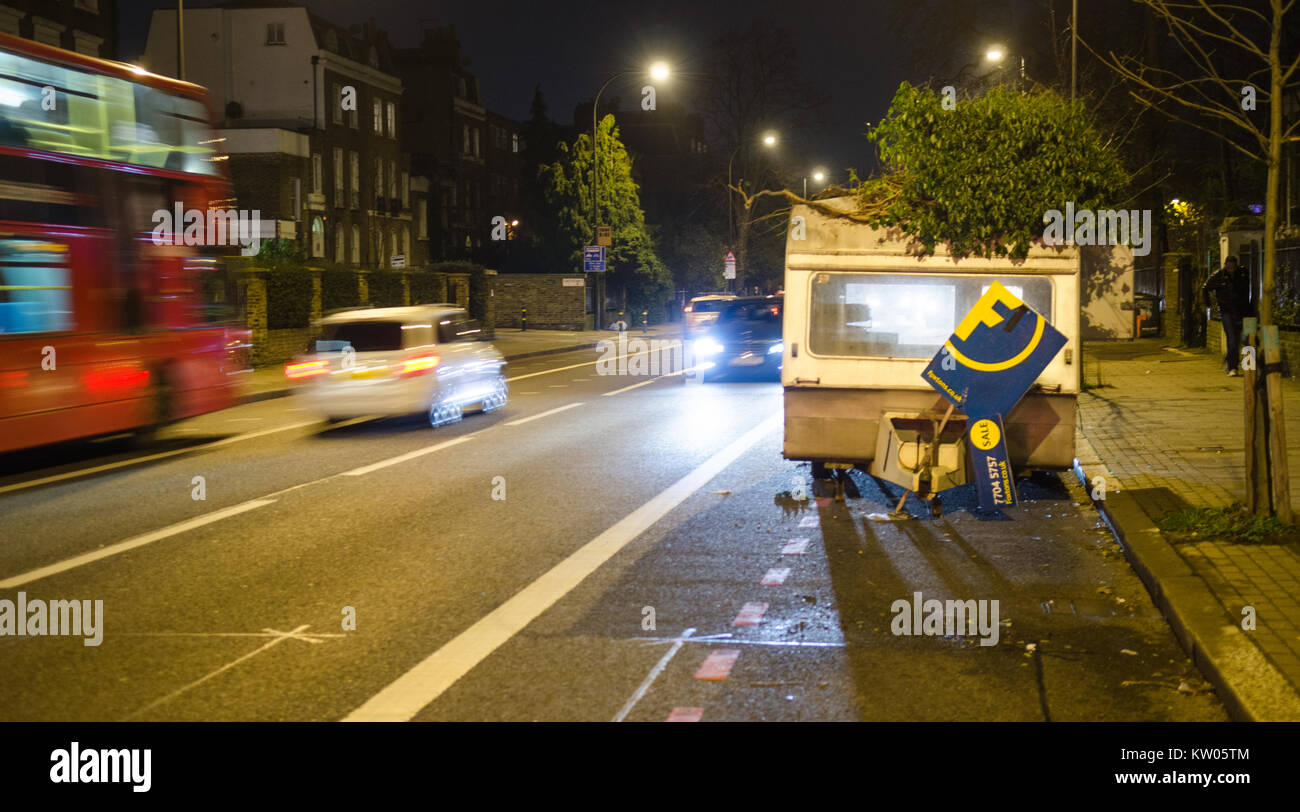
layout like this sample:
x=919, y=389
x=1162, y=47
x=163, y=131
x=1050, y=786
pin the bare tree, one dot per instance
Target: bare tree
x=753, y=84
x=1236, y=64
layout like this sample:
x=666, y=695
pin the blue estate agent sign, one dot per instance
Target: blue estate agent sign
x=593, y=258
x=990, y=467
x=995, y=355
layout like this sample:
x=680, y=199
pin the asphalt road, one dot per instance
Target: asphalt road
x=591, y=552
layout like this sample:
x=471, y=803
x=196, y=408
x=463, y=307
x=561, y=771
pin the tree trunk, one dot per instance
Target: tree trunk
x=742, y=247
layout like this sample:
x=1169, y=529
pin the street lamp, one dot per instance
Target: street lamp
x=995, y=53
x=658, y=71
x=818, y=176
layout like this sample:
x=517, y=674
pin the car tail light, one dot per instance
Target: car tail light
x=306, y=369
x=418, y=365
x=689, y=309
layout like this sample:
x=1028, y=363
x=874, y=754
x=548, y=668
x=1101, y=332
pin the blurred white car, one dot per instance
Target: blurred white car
x=702, y=311
x=398, y=361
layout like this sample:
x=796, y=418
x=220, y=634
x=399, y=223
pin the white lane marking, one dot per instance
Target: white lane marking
x=410, y=455
x=18, y=486
x=408, y=694
x=521, y=421
x=633, y=386
x=132, y=543
x=653, y=675
x=652, y=380
x=280, y=638
x=575, y=366
x=215, y=516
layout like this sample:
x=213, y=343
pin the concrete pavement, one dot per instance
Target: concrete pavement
x=1164, y=427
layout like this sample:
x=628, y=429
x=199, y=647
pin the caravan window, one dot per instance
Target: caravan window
x=902, y=315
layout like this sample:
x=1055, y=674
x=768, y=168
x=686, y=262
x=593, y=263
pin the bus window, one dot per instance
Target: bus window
x=35, y=288
x=902, y=315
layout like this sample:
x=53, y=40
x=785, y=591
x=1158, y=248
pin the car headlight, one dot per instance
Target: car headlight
x=707, y=346
x=776, y=349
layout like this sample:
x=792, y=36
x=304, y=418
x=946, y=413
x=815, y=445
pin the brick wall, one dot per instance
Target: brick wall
x=551, y=305
x=1288, y=337
x=281, y=345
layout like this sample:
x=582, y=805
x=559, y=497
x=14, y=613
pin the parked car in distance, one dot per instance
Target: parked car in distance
x=399, y=361
x=745, y=337
x=703, y=310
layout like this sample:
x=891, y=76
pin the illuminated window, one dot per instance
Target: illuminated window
x=392, y=120
x=317, y=237
x=35, y=287
x=275, y=33
x=340, y=250
x=901, y=315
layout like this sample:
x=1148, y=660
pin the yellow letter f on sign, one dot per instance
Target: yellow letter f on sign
x=984, y=312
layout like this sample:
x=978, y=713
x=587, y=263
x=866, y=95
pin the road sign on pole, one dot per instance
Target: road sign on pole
x=729, y=266
x=593, y=258
x=603, y=236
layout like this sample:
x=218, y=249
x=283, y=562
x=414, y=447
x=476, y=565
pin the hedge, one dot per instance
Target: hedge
x=385, y=289
x=288, y=299
x=338, y=289
x=427, y=288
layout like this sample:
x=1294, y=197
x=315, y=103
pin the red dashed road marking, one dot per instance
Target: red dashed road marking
x=751, y=614
x=718, y=664
x=775, y=576
x=795, y=547
x=685, y=715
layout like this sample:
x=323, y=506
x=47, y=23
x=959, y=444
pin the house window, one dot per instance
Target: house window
x=340, y=250
x=275, y=33
x=464, y=142
x=378, y=117
x=295, y=198
x=406, y=189
x=514, y=143
x=315, y=173
x=477, y=153
x=338, y=176
x=379, y=181
x=392, y=180
x=354, y=197
x=336, y=107
x=356, y=245
x=392, y=120
x=422, y=220
x=317, y=237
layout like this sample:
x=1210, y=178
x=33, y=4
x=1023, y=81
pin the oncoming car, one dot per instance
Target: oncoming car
x=399, y=361
x=745, y=338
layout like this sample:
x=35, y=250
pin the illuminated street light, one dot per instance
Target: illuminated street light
x=769, y=139
x=994, y=54
x=659, y=70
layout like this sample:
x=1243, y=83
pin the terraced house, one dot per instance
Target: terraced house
x=311, y=116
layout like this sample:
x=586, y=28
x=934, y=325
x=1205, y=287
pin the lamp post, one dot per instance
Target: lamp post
x=658, y=70
x=818, y=176
x=769, y=140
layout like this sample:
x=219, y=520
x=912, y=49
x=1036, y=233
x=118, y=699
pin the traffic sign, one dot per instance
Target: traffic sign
x=603, y=236
x=729, y=266
x=593, y=258
x=997, y=352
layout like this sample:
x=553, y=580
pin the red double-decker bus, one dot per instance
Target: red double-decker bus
x=101, y=329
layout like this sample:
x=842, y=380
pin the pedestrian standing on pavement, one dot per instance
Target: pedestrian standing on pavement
x=1231, y=288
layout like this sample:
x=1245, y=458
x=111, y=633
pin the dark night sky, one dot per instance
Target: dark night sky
x=570, y=47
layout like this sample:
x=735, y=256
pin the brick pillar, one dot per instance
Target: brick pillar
x=255, y=312
x=315, y=295
x=1171, y=319
x=363, y=288
x=406, y=289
